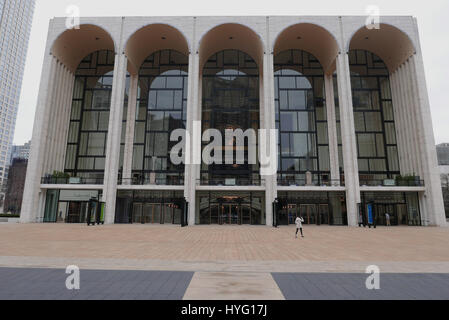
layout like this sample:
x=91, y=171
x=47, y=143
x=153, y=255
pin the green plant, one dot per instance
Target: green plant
x=60, y=175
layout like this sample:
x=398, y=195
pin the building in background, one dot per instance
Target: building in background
x=15, y=186
x=21, y=152
x=15, y=25
x=350, y=104
x=443, y=162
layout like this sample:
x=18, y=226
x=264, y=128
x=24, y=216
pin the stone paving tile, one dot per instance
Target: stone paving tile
x=233, y=286
x=224, y=243
x=49, y=284
x=316, y=286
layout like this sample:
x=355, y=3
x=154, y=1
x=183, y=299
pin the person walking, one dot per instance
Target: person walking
x=387, y=218
x=299, y=221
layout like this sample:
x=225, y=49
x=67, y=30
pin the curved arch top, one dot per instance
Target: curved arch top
x=71, y=46
x=388, y=42
x=152, y=38
x=231, y=36
x=311, y=38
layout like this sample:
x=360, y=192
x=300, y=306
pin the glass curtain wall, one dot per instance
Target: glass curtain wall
x=373, y=118
x=301, y=119
x=161, y=108
x=89, y=121
x=231, y=101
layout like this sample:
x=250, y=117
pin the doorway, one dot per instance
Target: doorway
x=156, y=213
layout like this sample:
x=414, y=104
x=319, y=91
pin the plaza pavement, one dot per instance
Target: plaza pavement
x=236, y=262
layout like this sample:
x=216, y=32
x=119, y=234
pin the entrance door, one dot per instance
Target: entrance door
x=308, y=212
x=73, y=215
x=230, y=214
x=381, y=210
x=324, y=217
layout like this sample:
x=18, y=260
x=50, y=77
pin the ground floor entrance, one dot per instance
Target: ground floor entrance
x=231, y=208
x=316, y=208
x=151, y=207
x=73, y=206
x=402, y=209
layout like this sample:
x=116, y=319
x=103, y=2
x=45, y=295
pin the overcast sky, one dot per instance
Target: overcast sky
x=433, y=19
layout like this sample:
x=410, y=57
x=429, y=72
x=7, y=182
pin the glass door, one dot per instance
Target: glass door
x=137, y=213
x=246, y=214
x=324, y=217
x=215, y=214
x=308, y=213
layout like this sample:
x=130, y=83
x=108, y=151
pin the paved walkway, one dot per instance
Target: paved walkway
x=50, y=284
x=215, y=243
x=211, y=262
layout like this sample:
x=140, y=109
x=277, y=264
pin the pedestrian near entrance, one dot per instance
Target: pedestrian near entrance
x=299, y=221
x=387, y=218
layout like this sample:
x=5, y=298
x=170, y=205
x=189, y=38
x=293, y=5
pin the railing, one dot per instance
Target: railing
x=141, y=181
x=72, y=181
x=231, y=182
x=304, y=183
x=391, y=183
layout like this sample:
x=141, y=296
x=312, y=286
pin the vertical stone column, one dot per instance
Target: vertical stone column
x=66, y=119
x=409, y=141
x=130, y=128
x=53, y=118
x=399, y=123
x=332, y=130
x=114, y=137
x=35, y=164
x=58, y=132
x=348, y=139
x=268, y=123
x=193, y=114
x=433, y=197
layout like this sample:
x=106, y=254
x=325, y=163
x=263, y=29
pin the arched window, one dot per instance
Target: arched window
x=89, y=120
x=231, y=101
x=301, y=119
x=162, y=108
x=373, y=118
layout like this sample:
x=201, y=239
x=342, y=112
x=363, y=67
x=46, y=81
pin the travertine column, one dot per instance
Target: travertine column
x=332, y=130
x=268, y=123
x=66, y=119
x=348, y=139
x=114, y=137
x=400, y=125
x=192, y=169
x=35, y=164
x=130, y=127
x=51, y=126
x=433, y=197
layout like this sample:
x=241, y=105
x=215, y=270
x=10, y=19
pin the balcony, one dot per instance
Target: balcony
x=398, y=182
x=142, y=181
x=72, y=181
x=234, y=182
x=291, y=182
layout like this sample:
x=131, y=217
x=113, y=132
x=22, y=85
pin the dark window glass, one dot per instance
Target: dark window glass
x=89, y=121
x=373, y=117
x=301, y=117
x=162, y=101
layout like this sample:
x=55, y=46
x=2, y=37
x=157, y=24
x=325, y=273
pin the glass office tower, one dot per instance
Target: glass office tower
x=15, y=24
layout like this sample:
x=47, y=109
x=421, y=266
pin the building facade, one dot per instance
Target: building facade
x=348, y=103
x=15, y=25
x=15, y=186
x=21, y=152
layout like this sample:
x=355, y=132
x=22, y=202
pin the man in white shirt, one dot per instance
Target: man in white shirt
x=299, y=221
